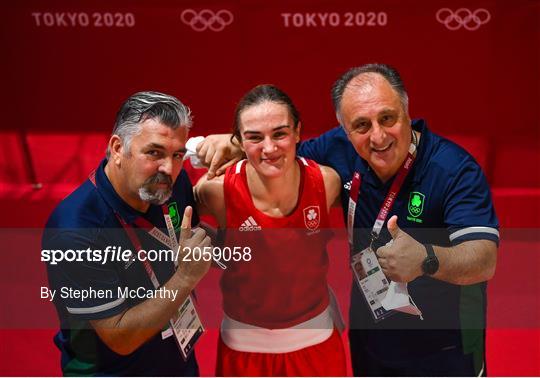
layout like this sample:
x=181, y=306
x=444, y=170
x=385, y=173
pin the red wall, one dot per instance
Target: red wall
x=64, y=80
x=67, y=77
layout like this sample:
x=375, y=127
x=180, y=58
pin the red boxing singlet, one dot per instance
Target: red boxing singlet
x=284, y=283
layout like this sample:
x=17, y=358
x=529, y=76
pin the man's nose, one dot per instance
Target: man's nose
x=166, y=166
x=378, y=134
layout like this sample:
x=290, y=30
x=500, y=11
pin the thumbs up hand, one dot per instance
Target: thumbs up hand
x=401, y=260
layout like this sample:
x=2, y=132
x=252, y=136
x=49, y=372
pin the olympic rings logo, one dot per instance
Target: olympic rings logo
x=463, y=17
x=207, y=19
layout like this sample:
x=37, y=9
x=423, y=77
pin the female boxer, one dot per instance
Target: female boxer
x=277, y=315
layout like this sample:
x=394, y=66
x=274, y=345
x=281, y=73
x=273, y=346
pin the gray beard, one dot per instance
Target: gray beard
x=158, y=197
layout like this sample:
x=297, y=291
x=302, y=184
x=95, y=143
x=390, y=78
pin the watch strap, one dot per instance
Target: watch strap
x=429, y=250
x=430, y=265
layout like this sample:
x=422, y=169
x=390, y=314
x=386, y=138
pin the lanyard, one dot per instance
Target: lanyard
x=186, y=314
x=152, y=230
x=170, y=241
x=187, y=306
x=388, y=202
x=138, y=247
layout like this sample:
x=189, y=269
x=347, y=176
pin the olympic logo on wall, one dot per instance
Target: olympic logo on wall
x=463, y=17
x=207, y=19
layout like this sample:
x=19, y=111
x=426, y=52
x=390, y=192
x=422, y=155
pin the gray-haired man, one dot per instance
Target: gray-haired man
x=115, y=308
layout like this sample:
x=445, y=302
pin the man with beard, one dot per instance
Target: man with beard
x=132, y=201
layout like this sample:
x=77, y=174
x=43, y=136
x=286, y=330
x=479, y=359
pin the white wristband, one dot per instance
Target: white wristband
x=191, y=153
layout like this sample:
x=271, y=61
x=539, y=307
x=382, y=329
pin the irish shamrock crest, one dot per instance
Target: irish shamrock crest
x=173, y=213
x=416, y=204
x=312, y=217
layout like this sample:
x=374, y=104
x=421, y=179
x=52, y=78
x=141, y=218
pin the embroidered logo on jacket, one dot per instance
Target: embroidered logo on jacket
x=175, y=217
x=416, y=206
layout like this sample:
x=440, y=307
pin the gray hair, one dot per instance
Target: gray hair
x=148, y=105
x=390, y=74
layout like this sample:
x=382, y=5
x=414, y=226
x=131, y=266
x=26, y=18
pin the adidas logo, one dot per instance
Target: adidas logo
x=249, y=225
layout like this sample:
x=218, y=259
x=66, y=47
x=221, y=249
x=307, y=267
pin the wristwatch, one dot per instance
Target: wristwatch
x=430, y=266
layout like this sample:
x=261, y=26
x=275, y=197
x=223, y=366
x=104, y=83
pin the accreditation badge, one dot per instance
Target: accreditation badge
x=186, y=326
x=371, y=281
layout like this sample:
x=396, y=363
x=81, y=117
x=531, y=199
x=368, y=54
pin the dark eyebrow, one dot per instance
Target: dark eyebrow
x=385, y=111
x=274, y=129
x=388, y=110
x=157, y=146
x=251, y=132
x=358, y=120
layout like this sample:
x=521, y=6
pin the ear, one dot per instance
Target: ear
x=117, y=149
x=338, y=118
x=298, y=130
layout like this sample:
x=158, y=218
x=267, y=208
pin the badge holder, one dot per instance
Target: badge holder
x=185, y=325
x=372, y=282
